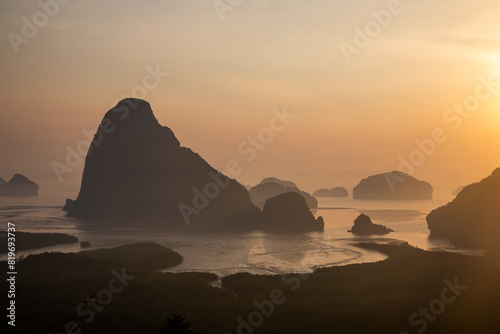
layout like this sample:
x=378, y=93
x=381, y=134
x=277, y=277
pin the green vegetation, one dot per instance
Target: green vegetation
x=25, y=240
x=362, y=298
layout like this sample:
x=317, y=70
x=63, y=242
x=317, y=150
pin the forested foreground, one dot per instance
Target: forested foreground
x=120, y=290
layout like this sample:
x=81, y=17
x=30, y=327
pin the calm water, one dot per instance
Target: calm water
x=261, y=253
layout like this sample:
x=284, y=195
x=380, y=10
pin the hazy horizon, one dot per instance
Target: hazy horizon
x=225, y=78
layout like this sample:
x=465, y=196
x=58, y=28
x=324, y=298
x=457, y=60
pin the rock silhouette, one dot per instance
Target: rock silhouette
x=289, y=213
x=262, y=192
x=472, y=218
x=2, y=182
x=19, y=185
x=69, y=205
x=363, y=225
x=278, y=181
x=136, y=170
x=392, y=186
x=334, y=192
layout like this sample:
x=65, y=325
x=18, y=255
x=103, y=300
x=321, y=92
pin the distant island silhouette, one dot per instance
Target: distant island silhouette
x=137, y=172
x=472, y=218
x=334, y=192
x=273, y=179
x=271, y=187
x=392, y=186
x=18, y=185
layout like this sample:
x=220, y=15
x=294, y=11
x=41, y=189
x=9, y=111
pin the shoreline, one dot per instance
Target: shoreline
x=384, y=294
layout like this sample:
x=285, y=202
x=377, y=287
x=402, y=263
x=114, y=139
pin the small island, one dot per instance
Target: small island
x=392, y=186
x=334, y=192
x=18, y=185
x=265, y=190
x=289, y=213
x=284, y=183
x=363, y=225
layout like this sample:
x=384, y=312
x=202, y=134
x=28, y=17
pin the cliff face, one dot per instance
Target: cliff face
x=19, y=185
x=136, y=169
x=289, y=213
x=262, y=192
x=392, y=186
x=472, y=219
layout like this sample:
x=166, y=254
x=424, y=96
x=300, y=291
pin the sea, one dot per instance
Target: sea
x=257, y=252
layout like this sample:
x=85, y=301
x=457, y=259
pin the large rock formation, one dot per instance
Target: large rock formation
x=136, y=170
x=2, y=182
x=472, y=219
x=334, y=192
x=289, y=213
x=278, y=181
x=392, y=186
x=363, y=225
x=19, y=185
x=262, y=192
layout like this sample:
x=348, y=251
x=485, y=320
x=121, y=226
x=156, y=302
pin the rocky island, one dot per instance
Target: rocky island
x=392, y=186
x=289, y=213
x=265, y=190
x=472, y=218
x=363, y=225
x=136, y=170
x=334, y=192
x=19, y=185
x=284, y=183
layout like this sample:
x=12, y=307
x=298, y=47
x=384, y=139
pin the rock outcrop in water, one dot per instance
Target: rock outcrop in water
x=392, y=186
x=19, y=185
x=68, y=206
x=334, y=192
x=136, y=170
x=472, y=219
x=289, y=213
x=262, y=192
x=363, y=225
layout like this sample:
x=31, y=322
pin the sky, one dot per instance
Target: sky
x=361, y=82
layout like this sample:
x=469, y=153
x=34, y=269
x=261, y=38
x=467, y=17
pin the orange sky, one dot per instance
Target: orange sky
x=226, y=77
